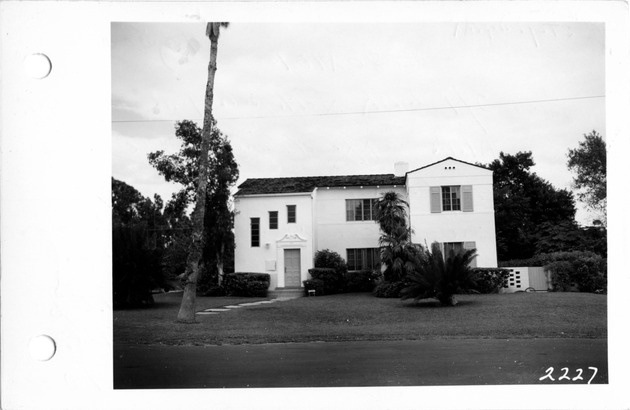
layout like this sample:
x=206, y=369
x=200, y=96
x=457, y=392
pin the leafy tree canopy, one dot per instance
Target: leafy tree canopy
x=183, y=168
x=138, y=243
x=129, y=207
x=588, y=162
x=567, y=236
x=523, y=202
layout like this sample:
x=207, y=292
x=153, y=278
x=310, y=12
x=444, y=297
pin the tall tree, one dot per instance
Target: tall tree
x=125, y=203
x=589, y=164
x=137, y=246
x=569, y=236
x=186, y=312
x=182, y=168
x=523, y=202
x=391, y=212
x=130, y=208
x=398, y=254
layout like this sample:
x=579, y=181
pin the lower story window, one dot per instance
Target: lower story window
x=363, y=259
x=456, y=248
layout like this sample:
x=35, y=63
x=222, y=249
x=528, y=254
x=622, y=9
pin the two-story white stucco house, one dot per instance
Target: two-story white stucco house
x=281, y=222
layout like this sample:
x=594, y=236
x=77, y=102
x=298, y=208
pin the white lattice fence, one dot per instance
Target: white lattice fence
x=527, y=278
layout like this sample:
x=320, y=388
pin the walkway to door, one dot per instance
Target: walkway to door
x=227, y=308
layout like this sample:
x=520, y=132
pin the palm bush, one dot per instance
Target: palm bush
x=398, y=254
x=390, y=212
x=440, y=278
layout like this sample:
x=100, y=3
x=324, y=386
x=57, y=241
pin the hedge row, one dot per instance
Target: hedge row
x=328, y=281
x=578, y=270
x=245, y=284
x=585, y=275
x=331, y=280
x=314, y=284
x=490, y=280
x=389, y=289
x=362, y=281
x=487, y=280
x=544, y=259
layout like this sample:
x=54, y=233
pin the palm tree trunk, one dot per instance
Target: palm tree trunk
x=187, y=309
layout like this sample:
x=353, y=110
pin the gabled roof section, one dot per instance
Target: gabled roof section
x=446, y=159
x=294, y=185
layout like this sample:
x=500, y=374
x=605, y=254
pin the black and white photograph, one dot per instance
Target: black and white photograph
x=378, y=205
x=381, y=204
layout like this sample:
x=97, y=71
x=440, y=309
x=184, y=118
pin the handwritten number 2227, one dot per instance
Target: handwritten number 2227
x=564, y=376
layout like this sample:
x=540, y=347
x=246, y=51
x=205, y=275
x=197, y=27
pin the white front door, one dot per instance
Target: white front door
x=292, y=268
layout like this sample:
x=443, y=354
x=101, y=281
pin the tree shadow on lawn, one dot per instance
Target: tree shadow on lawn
x=434, y=303
x=172, y=300
x=160, y=301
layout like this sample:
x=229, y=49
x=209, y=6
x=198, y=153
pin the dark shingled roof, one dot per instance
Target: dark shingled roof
x=255, y=186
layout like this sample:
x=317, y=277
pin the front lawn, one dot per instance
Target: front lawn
x=360, y=316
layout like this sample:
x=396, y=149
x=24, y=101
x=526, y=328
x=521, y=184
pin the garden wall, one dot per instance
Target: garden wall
x=523, y=278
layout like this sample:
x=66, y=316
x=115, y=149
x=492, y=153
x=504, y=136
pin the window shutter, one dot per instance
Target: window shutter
x=436, y=200
x=467, y=198
x=468, y=246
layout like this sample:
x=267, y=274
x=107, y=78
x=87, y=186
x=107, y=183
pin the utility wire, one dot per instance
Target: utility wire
x=449, y=107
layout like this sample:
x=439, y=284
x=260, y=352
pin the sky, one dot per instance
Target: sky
x=343, y=99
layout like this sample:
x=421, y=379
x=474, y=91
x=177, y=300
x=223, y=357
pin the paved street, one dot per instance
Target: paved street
x=378, y=363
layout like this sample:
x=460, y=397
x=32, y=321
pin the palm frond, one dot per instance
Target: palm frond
x=440, y=277
x=213, y=29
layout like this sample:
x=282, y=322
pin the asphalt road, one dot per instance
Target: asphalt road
x=354, y=364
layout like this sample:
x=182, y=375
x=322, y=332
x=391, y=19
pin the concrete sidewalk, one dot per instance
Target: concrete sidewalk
x=362, y=363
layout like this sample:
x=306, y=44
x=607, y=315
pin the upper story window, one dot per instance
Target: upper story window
x=360, y=209
x=291, y=214
x=451, y=198
x=255, y=231
x=273, y=219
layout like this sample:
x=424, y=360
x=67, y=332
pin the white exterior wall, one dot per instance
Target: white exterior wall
x=321, y=220
x=269, y=257
x=333, y=231
x=454, y=226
